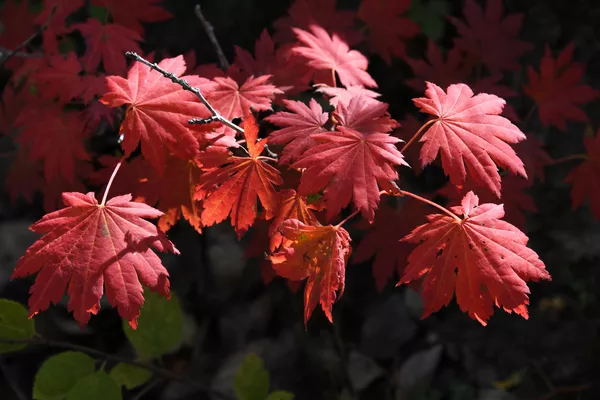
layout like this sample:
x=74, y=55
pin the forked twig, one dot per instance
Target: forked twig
x=210, y=32
x=186, y=86
x=30, y=38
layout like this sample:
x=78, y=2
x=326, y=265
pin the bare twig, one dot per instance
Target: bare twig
x=30, y=38
x=164, y=373
x=186, y=86
x=4, y=52
x=210, y=32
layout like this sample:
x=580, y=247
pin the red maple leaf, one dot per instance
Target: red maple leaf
x=53, y=190
x=89, y=247
x=173, y=191
x=24, y=178
x=491, y=37
x=319, y=253
x=107, y=44
x=515, y=198
x=233, y=189
x=13, y=102
x=470, y=134
x=94, y=86
x=455, y=68
x=157, y=111
x=558, y=90
x=17, y=23
x=130, y=13
x=491, y=84
x=298, y=127
x=304, y=13
x=331, y=54
x=383, y=240
x=534, y=157
x=291, y=206
x=53, y=136
x=234, y=101
x=95, y=115
x=365, y=115
x=349, y=165
x=340, y=94
x=288, y=71
x=434, y=67
x=388, y=28
x=57, y=25
x=59, y=79
x=585, y=177
x=477, y=255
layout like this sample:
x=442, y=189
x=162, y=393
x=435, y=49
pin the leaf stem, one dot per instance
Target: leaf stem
x=416, y=135
x=567, y=158
x=110, y=181
x=169, y=375
x=210, y=32
x=186, y=86
x=267, y=158
x=431, y=203
x=349, y=217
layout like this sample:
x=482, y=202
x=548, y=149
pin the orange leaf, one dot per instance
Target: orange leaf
x=232, y=190
x=319, y=253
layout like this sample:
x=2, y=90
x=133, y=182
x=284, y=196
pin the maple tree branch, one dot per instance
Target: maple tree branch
x=210, y=32
x=186, y=86
x=30, y=38
x=164, y=373
x=22, y=54
x=431, y=203
x=416, y=135
x=110, y=181
x=571, y=157
x=349, y=217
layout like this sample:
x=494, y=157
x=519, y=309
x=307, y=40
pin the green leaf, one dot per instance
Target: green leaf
x=280, y=395
x=59, y=374
x=14, y=324
x=99, y=13
x=430, y=16
x=97, y=386
x=160, y=326
x=251, y=380
x=130, y=376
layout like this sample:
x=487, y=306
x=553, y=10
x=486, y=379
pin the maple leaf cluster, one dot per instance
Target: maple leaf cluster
x=292, y=175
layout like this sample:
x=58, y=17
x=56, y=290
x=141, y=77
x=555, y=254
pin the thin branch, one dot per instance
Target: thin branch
x=186, y=86
x=567, y=158
x=348, y=218
x=164, y=373
x=21, y=54
x=431, y=203
x=416, y=135
x=110, y=181
x=210, y=32
x=30, y=38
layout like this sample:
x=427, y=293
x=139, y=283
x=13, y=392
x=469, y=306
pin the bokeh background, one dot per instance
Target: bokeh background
x=378, y=348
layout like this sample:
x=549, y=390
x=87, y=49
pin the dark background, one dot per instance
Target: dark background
x=378, y=347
